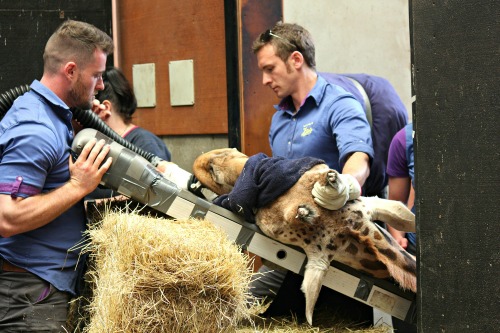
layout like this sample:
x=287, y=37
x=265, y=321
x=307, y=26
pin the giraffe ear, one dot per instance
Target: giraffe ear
x=315, y=272
x=392, y=212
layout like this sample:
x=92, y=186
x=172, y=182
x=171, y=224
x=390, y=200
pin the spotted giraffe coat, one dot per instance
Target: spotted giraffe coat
x=347, y=235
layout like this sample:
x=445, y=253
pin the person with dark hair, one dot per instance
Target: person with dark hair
x=42, y=214
x=118, y=104
x=314, y=117
x=115, y=105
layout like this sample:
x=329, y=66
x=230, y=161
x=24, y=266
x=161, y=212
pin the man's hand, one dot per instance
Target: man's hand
x=86, y=172
x=97, y=107
x=338, y=189
x=399, y=236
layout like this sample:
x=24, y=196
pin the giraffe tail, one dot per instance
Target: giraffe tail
x=316, y=269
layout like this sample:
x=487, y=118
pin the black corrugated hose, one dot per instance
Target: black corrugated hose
x=86, y=118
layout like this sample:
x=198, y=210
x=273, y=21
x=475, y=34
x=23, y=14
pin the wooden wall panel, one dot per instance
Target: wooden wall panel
x=159, y=31
x=257, y=99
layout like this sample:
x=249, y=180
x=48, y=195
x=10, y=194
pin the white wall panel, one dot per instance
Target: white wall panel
x=362, y=36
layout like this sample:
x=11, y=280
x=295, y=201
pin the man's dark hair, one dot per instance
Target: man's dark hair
x=75, y=41
x=287, y=38
x=119, y=92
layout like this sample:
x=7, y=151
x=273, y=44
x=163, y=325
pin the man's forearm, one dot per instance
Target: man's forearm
x=358, y=166
x=20, y=215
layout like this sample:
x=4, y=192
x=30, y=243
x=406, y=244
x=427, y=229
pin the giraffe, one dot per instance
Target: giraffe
x=347, y=235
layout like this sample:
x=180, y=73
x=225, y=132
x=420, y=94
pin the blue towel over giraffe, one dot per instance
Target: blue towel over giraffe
x=262, y=180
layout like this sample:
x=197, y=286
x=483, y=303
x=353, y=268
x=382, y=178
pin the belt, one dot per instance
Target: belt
x=8, y=267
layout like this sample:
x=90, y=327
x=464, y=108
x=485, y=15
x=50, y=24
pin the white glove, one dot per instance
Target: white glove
x=337, y=191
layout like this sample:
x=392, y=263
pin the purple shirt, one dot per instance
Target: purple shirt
x=35, y=140
x=401, y=157
x=397, y=165
x=329, y=125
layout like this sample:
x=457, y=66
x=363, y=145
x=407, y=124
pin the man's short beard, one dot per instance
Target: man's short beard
x=76, y=94
x=84, y=105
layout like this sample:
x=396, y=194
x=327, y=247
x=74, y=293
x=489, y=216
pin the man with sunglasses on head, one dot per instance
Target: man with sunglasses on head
x=314, y=118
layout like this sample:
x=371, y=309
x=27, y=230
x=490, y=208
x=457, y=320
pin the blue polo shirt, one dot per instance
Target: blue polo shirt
x=329, y=125
x=35, y=140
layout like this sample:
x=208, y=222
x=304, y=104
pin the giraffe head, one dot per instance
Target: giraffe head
x=218, y=169
x=347, y=235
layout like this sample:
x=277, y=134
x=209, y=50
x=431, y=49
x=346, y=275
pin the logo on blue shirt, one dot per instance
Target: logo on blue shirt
x=307, y=129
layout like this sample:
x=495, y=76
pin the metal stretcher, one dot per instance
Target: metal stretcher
x=133, y=176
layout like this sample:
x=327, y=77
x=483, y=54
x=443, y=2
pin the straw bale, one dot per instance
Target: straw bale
x=161, y=275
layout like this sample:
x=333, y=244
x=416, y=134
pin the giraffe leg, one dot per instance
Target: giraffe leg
x=392, y=212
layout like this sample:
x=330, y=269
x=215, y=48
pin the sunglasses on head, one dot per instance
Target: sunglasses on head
x=266, y=37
